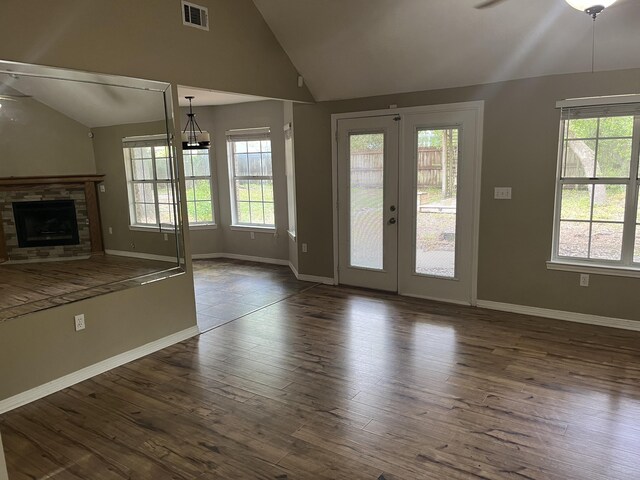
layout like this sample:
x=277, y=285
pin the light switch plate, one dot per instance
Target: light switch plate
x=502, y=193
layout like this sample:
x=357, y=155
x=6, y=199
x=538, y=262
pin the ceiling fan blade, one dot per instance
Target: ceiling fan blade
x=13, y=96
x=488, y=3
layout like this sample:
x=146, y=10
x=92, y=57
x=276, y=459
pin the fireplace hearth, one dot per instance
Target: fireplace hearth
x=46, y=223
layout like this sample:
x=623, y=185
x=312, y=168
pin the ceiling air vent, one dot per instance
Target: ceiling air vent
x=195, y=15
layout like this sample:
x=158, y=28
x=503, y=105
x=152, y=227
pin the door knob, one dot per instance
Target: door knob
x=392, y=221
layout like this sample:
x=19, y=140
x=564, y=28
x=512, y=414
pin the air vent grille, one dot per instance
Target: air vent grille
x=195, y=15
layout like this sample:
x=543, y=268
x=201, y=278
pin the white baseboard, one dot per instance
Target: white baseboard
x=435, y=299
x=95, y=369
x=294, y=270
x=316, y=279
x=145, y=256
x=273, y=261
x=311, y=278
x=235, y=256
x=622, y=323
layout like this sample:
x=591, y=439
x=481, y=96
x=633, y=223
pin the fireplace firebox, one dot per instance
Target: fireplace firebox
x=46, y=223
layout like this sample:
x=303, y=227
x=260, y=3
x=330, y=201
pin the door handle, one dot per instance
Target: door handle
x=392, y=221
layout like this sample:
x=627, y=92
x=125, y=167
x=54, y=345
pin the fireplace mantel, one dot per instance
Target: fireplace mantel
x=23, y=181
x=88, y=182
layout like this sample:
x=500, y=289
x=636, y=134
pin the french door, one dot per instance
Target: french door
x=368, y=202
x=406, y=202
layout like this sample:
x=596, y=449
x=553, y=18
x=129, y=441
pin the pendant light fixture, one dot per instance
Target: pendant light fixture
x=591, y=7
x=593, y=10
x=192, y=136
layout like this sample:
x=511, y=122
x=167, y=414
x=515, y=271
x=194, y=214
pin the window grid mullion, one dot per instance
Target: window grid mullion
x=155, y=186
x=592, y=200
x=596, y=181
x=247, y=177
x=596, y=152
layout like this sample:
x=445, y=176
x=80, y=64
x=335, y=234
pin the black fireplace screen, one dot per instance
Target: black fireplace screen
x=46, y=223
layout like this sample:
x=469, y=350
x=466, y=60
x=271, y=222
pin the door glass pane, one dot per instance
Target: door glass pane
x=436, y=202
x=366, y=193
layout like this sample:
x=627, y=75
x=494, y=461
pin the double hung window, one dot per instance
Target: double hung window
x=151, y=188
x=597, y=217
x=198, y=182
x=149, y=181
x=251, y=177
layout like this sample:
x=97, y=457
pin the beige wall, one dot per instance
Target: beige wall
x=43, y=346
x=37, y=140
x=520, y=150
x=217, y=120
x=114, y=202
x=146, y=39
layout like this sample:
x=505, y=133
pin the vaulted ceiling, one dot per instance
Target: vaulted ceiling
x=357, y=48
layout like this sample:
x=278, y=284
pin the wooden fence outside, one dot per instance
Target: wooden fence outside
x=366, y=168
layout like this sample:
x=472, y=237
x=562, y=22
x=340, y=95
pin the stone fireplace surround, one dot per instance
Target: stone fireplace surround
x=81, y=189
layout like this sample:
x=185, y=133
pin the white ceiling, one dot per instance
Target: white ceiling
x=204, y=98
x=357, y=48
x=91, y=104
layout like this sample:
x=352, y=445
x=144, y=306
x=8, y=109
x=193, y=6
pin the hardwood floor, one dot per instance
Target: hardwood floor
x=30, y=287
x=228, y=289
x=336, y=383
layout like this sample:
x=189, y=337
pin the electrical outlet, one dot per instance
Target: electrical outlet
x=110, y=230
x=80, y=325
x=502, y=193
x=304, y=248
x=102, y=188
x=166, y=237
x=584, y=279
x=253, y=235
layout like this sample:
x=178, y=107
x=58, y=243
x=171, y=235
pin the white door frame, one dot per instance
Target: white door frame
x=478, y=108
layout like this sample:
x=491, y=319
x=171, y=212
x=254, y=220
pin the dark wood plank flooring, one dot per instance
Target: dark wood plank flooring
x=29, y=287
x=228, y=289
x=337, y=383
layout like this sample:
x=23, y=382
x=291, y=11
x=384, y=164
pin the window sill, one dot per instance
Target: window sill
x=596, y=270
x=210, y=226
x=152, y=228
x=252, y=228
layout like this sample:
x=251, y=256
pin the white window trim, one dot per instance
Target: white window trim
x=203, y=226
x=290, y=172
x=593, y=269
x=253, y=228
x=625, y=267
x=235, y=225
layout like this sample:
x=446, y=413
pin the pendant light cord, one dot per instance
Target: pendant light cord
x=593, y=45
